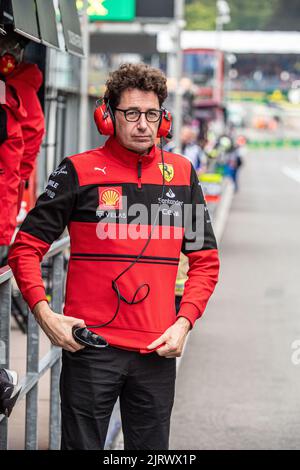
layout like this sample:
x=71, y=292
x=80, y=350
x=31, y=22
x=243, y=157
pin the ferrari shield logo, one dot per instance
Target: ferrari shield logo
x=168, y=171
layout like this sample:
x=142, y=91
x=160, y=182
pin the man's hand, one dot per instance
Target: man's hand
x=57, y=327
x=174, y=338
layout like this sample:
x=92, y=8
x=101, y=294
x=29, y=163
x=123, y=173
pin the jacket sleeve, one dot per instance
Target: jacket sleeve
x=11, y=151
x=33, y=136
x=200, y=246
x=44, y=224
x=27, y=80
x=33, y=132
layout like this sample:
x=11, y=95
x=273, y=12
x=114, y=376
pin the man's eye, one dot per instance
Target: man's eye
x=132, y=114
x=153, y=114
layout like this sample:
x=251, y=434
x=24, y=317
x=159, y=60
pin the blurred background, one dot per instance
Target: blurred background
x=233, y=70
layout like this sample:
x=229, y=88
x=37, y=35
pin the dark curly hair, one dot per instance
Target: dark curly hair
x=140, y=76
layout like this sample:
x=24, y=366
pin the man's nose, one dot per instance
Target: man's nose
x=142, y=122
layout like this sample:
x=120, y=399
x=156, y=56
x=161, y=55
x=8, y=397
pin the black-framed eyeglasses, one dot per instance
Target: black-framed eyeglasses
x=133, y=115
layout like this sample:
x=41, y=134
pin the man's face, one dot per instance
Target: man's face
x=137, y=136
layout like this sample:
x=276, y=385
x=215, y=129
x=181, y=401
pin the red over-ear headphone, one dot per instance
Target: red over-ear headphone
x=104, y=117
x=105, y=120
x=8, y=63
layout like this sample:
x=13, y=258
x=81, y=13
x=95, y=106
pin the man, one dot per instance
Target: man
x=97, y=193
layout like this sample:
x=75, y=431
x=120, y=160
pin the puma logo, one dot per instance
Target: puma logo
x=101, y=169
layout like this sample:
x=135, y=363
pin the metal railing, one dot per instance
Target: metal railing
x=36, y=368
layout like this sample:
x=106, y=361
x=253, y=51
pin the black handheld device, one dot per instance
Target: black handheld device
x=87, y=338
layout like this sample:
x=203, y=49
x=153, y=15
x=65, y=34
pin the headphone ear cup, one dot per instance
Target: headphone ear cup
x=104, y=118
x=165, y=128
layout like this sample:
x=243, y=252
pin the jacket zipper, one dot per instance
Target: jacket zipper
x=140, y=174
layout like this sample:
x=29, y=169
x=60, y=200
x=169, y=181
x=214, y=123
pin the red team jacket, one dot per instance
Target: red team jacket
x=87, y=194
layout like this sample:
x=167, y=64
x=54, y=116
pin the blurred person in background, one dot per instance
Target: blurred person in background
x=27, y=79
x=190, y=149
x=11, y=147
x=233, y=162
x=86, y=193
x=22, y=130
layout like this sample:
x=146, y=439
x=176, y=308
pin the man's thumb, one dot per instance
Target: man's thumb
x=77, y=322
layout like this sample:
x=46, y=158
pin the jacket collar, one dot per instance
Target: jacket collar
x=126, y=157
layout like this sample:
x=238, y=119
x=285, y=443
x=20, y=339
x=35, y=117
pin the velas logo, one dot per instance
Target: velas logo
x=167, y=170
x=110, y=198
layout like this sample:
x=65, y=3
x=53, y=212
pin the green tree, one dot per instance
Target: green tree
x=200, y=14
x=245, y=14
x=250, y=14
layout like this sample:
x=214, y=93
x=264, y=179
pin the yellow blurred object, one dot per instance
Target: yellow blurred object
x=277, y=96
x=213, y=153
x=183, y=268
x=211, y=178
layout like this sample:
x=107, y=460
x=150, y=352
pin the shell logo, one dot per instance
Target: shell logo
x=110, y=198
